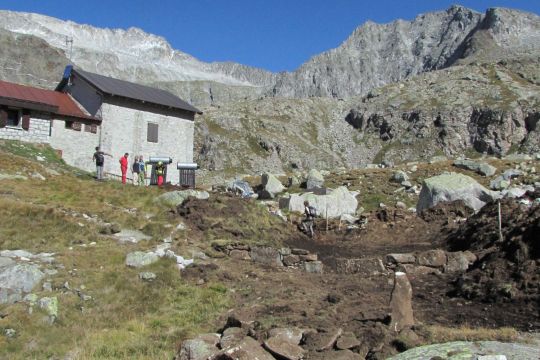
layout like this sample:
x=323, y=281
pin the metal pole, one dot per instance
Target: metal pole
x=500, y=221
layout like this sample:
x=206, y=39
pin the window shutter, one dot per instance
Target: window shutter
x=77, y=126
x=3, y=118
x=93, y=129
x=152, y=133
x=26, y=122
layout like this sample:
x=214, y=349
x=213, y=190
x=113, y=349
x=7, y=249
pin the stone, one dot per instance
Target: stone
x=247, y=349
x=515, y=193
x=16, y=254
x=518, y=157
x=471, y=258
x=308, y=257
x=147, y=276
x=418, y=269
x=271, y=186
x=10, y=333
x=481, y=168
x=131, y=236
x=349, y=219
x=457, y=262
x=511, y=174
x=47, y=286
x=282, y=348
x=401, y=205
x=200, y=348
x=232, y=336
x=285, y=251
x=399, y=176
x=175, y=198
x=31, y=299
x=16, y=279
x=241, y=319
x=12, y=177
x=321, y=341
x=406, y=184
x=266, y=255
x=139, y=259
x=401, y=303
x=50, y=305
x=432, y=258
x=436, y=159
x=299, y=251
x=347, y=340
x=338, y=202
x=470, y=350
x=291, y=335
x=491, y=357
x=364, y=266
x=314, y=179
x=239, y=254
x=401, y=258
x=451, y=187
x=6, y=261
x=499, y=183
x=315, y=267
x=291, y=260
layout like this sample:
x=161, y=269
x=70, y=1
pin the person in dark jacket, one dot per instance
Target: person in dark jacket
x=310, y=213
x=99, y=159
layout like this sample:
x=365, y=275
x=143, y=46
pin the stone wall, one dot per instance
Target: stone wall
x=77, y=147
x=38, y=132
x=125, y=130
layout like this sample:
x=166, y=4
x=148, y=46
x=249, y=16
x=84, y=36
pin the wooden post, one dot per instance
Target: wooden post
x=500, y=221
x=326, y=215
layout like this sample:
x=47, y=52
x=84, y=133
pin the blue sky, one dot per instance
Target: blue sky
x=275, y=35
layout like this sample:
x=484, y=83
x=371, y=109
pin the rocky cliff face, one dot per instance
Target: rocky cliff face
x=373, y=56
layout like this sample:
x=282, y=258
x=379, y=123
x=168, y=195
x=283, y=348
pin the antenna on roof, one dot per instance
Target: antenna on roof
x=69, y=47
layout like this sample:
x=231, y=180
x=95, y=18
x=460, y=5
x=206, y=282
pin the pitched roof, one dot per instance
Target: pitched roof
x=42, y=100
x=126, y=89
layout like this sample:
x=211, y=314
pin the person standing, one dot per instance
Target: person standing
x=142, y=171
x=160, y=171
x=99, y=159
x=310, y=213
x=135, y=170
x=123, y=167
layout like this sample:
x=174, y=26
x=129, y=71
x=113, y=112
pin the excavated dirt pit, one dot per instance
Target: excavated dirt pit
x=280, y=296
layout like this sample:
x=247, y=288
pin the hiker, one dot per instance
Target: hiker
x=135, y=170
x=99, y=159
x=160, y=170
x=310, y=213
x=124, y=166
x=142, y=171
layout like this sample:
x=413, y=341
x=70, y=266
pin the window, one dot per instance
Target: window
x=13, y=118
x=152, y=133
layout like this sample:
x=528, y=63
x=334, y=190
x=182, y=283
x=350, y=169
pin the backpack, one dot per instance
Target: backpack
x=312, y=211
x=100, y=159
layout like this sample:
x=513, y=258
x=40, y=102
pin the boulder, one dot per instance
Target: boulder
x=247, y=349
x=271, y=186
x=401, y=258
x=50, y=305
x=515, y=192
x=139, y=259
x=364, y=266
x=292, y=335
x=478, y=167
x=291, y=260
x=284, y=349
x=401, y=303
x=147, y=276
x=451, y=187
x=399, y=177
x=338, y=202
x=432, y=258
x=5, y=261
x=131, y=236
x=418, y=269
x=347, y=340
x=314, y=179
x=239, y=254
x=175, y=198
x=511, y=174
x=315, y=267
x=232, y=336
x=499, y=183
x=16, y=254
x=457, y=262
x=241, y=188
x=266, y=255
x=200, y=348
x=321, y=341
x=16, y=279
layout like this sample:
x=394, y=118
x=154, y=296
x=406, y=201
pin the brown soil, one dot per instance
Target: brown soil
x=292, y=297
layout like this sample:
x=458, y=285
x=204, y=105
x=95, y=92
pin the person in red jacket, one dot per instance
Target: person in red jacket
x=124, y=167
